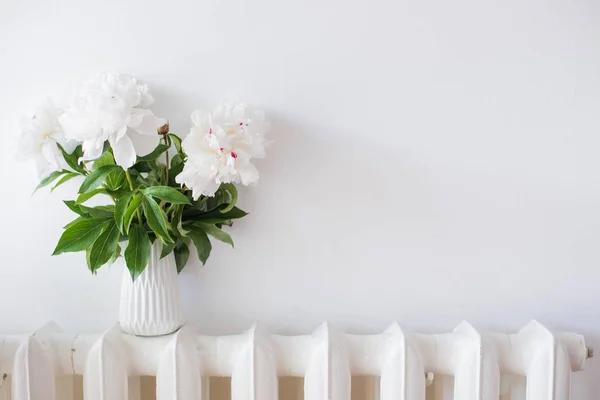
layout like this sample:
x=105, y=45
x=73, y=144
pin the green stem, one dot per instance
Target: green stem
x=139, y=215
x=129, y=179
x=167, y=159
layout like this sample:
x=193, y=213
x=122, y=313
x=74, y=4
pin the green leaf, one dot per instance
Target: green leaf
x=176, y=168
x=137, y=252
x=155, y=218
x=99, y=211
x=115, y=255
x=131, y=211
x=202, y=243
x=142, y=167
x=65, y=178
x=176, y=141
x=117, y=194
x=78, y=152
x=116, y=179
x=176, y=160
x=138, y=179
x=167, y=249
x=156, y=176
x=80, y=235
x=230, y=195
x=105, y=246
x=215, y=232
x=88, y=261
x=50, y=178
x=182, y=254
x=224, y=199
x=72, y=159
x=105, y=159
x=161, y=148
x=70, y=224
x=83, y=197
x=176, y=221
x=96, y=177
x=73, y=206
x=167, y=193
x=214, y=216
x=120, y=210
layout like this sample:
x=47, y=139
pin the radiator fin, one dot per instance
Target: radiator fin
x=328, y=374
x=105, y=376
x=254, y=375
x=179, y=372
x=402, y=373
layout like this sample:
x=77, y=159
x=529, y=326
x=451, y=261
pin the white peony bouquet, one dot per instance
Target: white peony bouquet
x=162, y=188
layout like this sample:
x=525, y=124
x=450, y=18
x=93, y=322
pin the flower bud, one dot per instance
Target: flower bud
x=163, y=130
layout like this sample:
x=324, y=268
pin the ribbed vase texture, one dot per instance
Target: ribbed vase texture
x=150, y=306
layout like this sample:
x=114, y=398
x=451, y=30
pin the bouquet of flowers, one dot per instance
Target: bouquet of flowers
x=162, y=188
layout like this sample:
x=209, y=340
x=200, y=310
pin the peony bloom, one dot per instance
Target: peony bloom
x=40, y=135
x=220, y=148
x=113, y=107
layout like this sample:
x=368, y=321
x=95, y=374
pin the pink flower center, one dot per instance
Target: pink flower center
x=234, y=155
x=210, y=131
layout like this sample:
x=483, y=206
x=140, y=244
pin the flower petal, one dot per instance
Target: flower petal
x=123, y=151
x=104, y=109
x=143, y=144
x=92, y=149
x=51, y=153
x=69, y=145
x=121, y=132
x=148, y=125
x=137, y=115
x=42, y=167
x=220, y=147
x=248, y=174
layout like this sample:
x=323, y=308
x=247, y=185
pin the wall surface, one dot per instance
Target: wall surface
x=433, y=160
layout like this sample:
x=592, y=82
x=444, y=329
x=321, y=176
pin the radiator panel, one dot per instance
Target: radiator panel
x=532, y=364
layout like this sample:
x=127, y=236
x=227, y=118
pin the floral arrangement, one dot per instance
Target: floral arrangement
x=162, y=188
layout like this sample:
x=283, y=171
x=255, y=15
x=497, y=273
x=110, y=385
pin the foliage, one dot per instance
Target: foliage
x=147, y=206
x=177, y=192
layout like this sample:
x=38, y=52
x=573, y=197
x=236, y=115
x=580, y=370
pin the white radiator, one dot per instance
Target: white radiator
x=38, y=367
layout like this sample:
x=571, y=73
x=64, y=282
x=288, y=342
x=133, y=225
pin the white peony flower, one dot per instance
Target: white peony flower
x=39, y=137
x=113, y=107
x=220, y=148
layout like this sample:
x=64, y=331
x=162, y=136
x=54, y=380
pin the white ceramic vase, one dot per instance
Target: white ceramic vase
x=150, y=305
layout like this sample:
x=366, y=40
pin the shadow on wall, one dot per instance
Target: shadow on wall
x=347, y=229
x=320, y=196
x=345, y=174
x=338, y=182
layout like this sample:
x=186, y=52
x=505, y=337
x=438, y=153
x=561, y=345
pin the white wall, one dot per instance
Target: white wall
x=433, y=160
